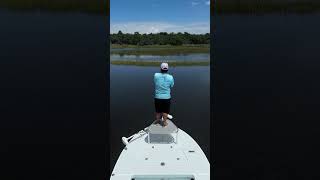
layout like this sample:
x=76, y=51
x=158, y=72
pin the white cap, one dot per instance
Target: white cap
x=164, y=66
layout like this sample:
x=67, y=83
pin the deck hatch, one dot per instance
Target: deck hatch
x=162, y=135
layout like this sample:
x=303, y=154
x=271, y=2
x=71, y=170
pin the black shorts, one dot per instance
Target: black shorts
x=162, y=105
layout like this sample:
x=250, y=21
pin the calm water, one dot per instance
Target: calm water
x=267, y=97
x=132, y=107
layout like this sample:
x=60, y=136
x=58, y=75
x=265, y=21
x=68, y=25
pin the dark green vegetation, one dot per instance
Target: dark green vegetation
x=162, y=50
x=266, y=6
x=155, y=63
x=161, y=44
x=162, y=38
x=87, y=6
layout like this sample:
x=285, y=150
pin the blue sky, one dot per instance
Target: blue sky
x=146, y=16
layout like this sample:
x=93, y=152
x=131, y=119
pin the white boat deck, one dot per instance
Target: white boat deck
x=163, y=158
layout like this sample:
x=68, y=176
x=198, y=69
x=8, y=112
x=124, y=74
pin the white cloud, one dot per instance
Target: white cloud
x=208, y=3
x=156, y=27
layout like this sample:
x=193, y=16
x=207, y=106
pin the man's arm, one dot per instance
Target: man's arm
x=154, y=78
x=172, y=82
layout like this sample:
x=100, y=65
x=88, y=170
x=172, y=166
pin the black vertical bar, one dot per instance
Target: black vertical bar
x=107, y=85
x=212, y=87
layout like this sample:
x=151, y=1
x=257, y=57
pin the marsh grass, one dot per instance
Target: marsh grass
x=161, y=50
x=155, y=63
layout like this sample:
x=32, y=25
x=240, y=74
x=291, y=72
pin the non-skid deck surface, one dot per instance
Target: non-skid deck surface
x=158, y=129
x=160, y=139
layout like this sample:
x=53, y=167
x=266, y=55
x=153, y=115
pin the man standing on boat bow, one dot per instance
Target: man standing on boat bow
x=163, y=82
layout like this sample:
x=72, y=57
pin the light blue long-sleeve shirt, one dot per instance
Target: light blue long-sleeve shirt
x=163, y=82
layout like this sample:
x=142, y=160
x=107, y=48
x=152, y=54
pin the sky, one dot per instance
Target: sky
x=153, y=16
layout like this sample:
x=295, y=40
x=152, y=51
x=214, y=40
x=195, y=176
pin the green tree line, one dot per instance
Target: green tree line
x=162, y=38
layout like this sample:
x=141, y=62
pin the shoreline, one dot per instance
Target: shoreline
x=156, y=63
x=161, y=50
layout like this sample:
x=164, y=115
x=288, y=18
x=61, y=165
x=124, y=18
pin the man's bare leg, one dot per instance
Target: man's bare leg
x=158, y=116
x=165, y=117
